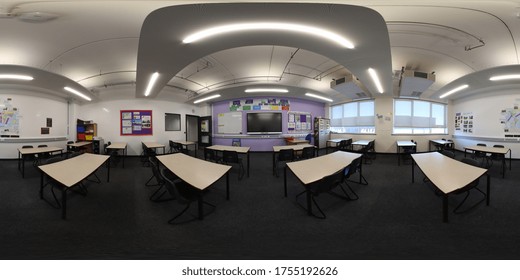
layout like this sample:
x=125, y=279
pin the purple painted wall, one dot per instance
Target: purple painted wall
x=265, y=143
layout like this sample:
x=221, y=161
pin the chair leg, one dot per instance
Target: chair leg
x=347, y=195
x=178, y=215
x=323, y=216
x=155, y=198
x=151, y=185
x=456, y=210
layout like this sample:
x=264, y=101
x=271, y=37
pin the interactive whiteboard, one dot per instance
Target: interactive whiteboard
x=229, y=123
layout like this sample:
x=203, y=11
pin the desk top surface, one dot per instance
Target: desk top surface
x=117, y=146
x=441, y=142
x=196, y=172
x=447, y=174
x=79, y=144
x=184, y=142
x=153, y=145
x=71, y=171
x=493, y=150
x=28, y=151
x=362, y=142
x=242, y=150
x=312, y=170
x=293, y=147
x=337, y=140
x=405, y=143
x=298, y=141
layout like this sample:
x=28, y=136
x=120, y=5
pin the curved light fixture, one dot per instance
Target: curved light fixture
x=206, y=98
x=505, y=77
x=77, y=93
x=151, y=83
x=279, y=90
x=278, y=26
x=318, y=97
x=375, y=78
x=16, y=77
x=453, y=91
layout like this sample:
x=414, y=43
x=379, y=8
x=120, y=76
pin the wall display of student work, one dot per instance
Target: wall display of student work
x=464, y=123
x=136, y=122
x=9, y=118
x=265, y=104
x=299, y=121
x=510, y=119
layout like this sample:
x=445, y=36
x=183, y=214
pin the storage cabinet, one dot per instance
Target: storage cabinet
x=86, y=130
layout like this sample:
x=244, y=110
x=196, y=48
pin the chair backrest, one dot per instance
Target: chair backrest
x=448, y=153
x=342, y=145
x=230, y=156
x=209, y=154
x=53, y=160
x=286, y=154
x=42, y=146
x=498, y=146
x=328, y=183
x=155, y=170
x=26, y=146
x=482, y=144
x=352, y=168
x=308, y=152
x=173, y=189
x=308, y=137
x=473, y=162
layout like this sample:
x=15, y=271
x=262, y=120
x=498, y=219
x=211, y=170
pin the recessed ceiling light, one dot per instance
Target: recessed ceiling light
x=206, y=98
x=453, y=91
x=319, y=97
x=77, y=93
x=505, y=77
x=279, y=26
x=375, y=78
x=279, y=90
x=16, y=77
x=151, y=83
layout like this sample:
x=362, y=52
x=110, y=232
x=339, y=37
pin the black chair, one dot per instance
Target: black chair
x=482, y=156
x=448, y=153
x=211, y=155
x=498, y=157
x=231, y=157
x=145, y=154
x=326, y=185
x=52, y=183
x=368, y=152
x=353, y=168
x=407, y=151
x=42, y=156
x=183, y=194
x=308, y=152
x=114, y=154
x=284, y=155
x=345, y=145
x=468, y=188
x=160, y=182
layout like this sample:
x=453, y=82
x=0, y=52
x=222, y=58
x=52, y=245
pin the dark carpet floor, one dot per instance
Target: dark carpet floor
x=393, y=219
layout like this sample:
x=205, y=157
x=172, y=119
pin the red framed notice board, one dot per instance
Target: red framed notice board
x=136, y=122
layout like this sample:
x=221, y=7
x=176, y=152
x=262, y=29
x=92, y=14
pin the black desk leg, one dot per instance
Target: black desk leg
x=64, y=203
x=361, y=172
x=273, y=164
x=41, y=184
x=23, y=166
x=227, y=185
x=19, y=158
x=248, y=164
x=445, y=208
x=504, y=166
x=488, y=189
x=201, y=206
x=413, y=171
x=285, y=181
x=108, y=170
x=309, y=203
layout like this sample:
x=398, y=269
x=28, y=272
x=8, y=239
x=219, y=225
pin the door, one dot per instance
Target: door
x=192, y=128
x=205, y=131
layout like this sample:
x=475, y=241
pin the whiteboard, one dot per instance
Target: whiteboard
x=229, y=123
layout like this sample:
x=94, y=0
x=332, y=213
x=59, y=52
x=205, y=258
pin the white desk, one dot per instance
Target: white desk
x=448, y=175
x=154, y=145
x=119, y=146
x=333, y=143
x=314, y=169
x=185, y=144
x=198, y=173
x=401, y=144
x=70, y=172
x=24, y=152
x=276, y=149
x=493, y=150
x=438, y=143
x=240, y=150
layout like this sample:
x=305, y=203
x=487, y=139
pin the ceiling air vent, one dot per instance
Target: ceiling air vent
x=350, y=87
x=414, y=83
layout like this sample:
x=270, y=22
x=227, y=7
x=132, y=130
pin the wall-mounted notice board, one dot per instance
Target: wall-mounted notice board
x=136, y=122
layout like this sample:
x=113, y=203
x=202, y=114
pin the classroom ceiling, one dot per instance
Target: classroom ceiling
x=96, y=44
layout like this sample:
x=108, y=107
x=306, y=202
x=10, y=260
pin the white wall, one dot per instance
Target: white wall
x=486, y=110
x=34, y=109
x=106, y=115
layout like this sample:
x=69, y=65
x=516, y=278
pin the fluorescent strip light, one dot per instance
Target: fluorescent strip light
x=16, y=77
x=453, y=91
x=319, y=97
x=505, y=77
x=151, y=83
x=269, y=26
x=280, y=90
x=77, y=93
x=206, y=98
x=375, y=78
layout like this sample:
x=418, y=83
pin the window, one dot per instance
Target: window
x=419, y=117
x=172, y=122
x=353, y=117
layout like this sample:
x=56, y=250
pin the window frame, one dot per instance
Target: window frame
x=353, y=129
x=418, y=129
